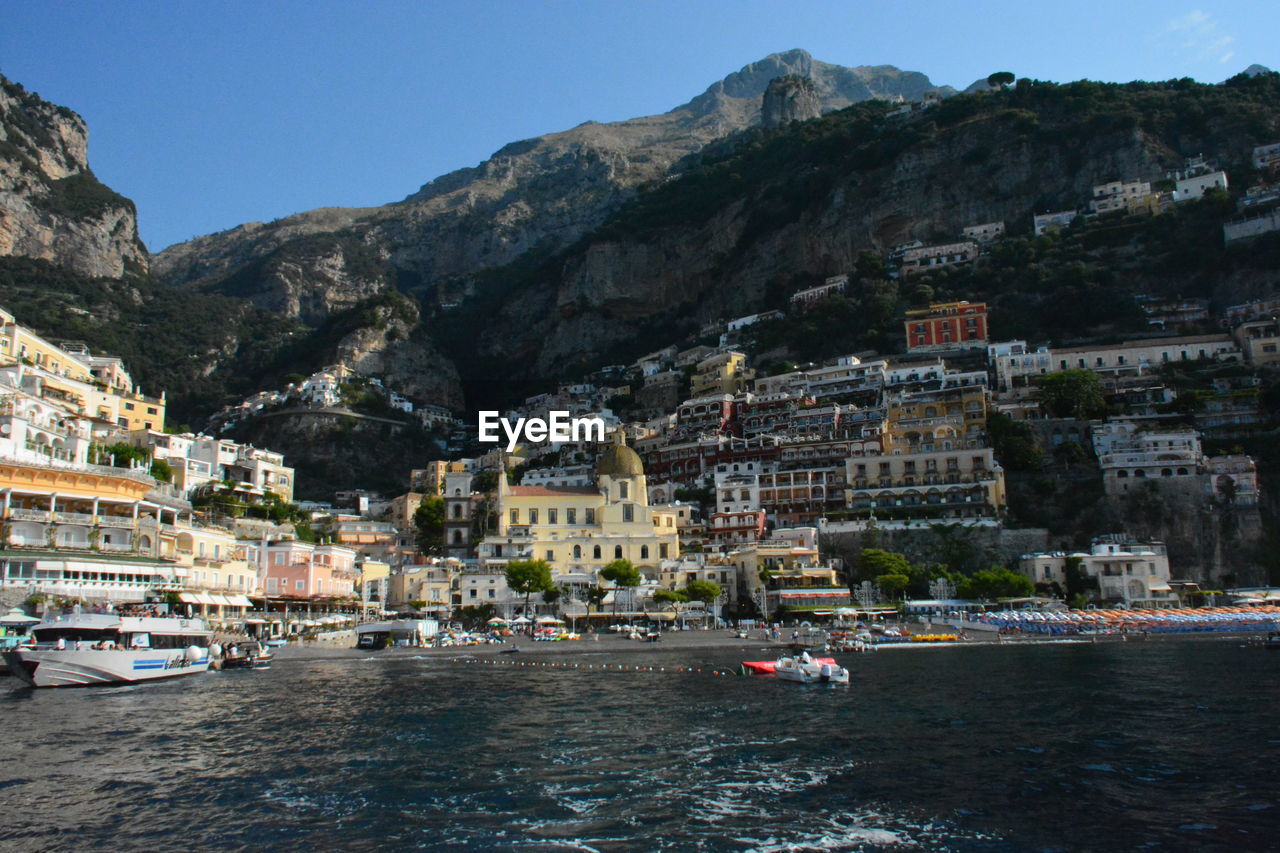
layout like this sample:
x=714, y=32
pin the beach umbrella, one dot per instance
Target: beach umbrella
x=523, y=620
x=17, y=617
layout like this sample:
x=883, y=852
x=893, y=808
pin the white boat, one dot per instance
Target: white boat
x=103, y=648
x=806, y=670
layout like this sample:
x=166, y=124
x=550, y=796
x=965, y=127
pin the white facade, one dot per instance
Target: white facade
x=984, y=233
x=1195, y=187
x=1045, y=223
x=1134, y=573
x=1117, y=195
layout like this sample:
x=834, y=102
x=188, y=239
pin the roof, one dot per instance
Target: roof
x=618, y=460
x=551, y=491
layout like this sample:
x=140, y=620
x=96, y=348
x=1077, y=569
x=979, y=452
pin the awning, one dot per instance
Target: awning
x=1161, y=587
x=189, y=598
x=204, y=598
x=239, y=601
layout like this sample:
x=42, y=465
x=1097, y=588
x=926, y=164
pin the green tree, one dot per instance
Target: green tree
x=874, y=562
x=892, y=584
x=996, y=582
x=162, y=470
x=1000, y=79
x=525, y=577
x=1071, y=394
x=1015, y=443
x=705, y=591
x=666, y=596
x=596, y=596
x=622, y=574
x=428, y=522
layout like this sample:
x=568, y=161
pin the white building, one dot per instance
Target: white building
x=1048, y=223
x=1117, y=195
x=1196, y=186
x=1133, y=573
x=983, y=233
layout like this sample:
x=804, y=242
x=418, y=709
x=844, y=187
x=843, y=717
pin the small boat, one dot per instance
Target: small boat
x=104, y=648
x=770, y=667
x=250, y=655
x=1272, y=641
x=807, y=670
x=277, y=642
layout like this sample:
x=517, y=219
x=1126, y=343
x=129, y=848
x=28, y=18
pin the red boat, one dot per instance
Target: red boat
x=765, y=667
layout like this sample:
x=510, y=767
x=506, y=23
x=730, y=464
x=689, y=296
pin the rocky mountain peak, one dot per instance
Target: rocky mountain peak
x=51, y=205
x=788, y=99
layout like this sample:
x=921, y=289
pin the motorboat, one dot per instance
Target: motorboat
x=104, y=648
x=246, y=655
x=807, y=670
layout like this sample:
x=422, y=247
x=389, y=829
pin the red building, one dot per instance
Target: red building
x=947, y=326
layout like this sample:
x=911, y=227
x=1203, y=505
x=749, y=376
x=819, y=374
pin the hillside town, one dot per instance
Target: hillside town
x=723, y=492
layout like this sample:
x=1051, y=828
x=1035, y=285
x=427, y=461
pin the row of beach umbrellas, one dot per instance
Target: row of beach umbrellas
x=1200, y=619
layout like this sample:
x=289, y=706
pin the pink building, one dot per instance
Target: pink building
x=305, y=570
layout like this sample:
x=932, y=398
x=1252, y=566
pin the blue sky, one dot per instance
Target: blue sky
x=213, y=114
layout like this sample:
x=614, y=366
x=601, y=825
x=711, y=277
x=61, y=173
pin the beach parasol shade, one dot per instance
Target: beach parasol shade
x=17, y=617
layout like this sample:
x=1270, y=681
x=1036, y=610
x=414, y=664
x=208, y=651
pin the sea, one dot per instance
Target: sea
x=1144, y=746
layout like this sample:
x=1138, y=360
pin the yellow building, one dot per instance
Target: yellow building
x=949, y=419
x=581, y=529
x=95, y=386
x=722, y=373
x=948, y=484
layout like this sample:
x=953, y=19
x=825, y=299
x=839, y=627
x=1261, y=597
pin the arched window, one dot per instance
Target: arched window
x=577, y=552
x=457, y=510
x=595, y=553
x=457, y=537
x=644, y=552
x=617, y=552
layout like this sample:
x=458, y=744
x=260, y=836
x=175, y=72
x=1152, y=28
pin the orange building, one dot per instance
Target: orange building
x=947, y=326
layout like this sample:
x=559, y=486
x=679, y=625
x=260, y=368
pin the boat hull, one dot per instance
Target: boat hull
x=85, y=667
x=813, y=672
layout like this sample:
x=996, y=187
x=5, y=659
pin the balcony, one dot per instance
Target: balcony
x=20, y=514
x=75, y=517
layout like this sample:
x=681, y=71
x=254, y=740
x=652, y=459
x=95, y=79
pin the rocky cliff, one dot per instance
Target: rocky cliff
x=51, y=205
x=541, y=192
x=789, y=99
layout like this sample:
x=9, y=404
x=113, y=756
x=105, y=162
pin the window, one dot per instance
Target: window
x=595, y=553
x=552, y=515
x=475, y=593
x=533, y=516
x=591, y=516
x=628, y=512
x=617, y=552
x=457, y=510
x=623, y=490
x=644, y=552
x=298, y=583
x=551, y=555
x=662, y=550
x=577, y=552
x=515, y=516
x=493, y=593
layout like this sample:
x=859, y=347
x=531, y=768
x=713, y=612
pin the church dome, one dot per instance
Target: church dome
x=618, y=460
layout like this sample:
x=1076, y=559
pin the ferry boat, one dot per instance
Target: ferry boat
x=104, y=648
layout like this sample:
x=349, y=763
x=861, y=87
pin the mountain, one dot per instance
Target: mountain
x=573, y=250
x=535, y=193
x=51, y=205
